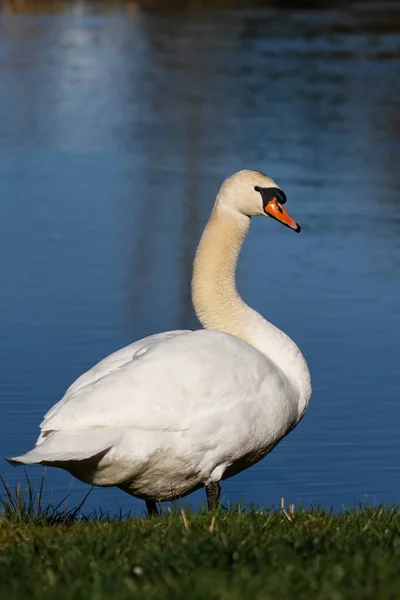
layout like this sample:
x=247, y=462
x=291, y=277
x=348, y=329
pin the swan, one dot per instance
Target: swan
x=180, y=410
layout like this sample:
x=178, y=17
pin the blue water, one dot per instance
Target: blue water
x=116, y=131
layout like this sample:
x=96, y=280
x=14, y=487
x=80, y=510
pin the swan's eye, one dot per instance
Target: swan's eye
x=257, y=188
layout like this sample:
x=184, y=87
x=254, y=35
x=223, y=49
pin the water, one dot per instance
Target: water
x=116, y=132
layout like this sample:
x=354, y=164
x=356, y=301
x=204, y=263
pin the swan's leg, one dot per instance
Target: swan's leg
x=213, y=491
x=152, y=508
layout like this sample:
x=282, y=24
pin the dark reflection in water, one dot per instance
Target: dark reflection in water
x=116, y=132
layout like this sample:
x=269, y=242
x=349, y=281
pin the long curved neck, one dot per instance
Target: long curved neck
x=218, y=304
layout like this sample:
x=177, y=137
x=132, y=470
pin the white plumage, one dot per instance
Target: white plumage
x=180, y=410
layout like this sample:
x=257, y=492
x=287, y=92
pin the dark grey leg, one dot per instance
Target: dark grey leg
x=213, y=491
x=151, y=508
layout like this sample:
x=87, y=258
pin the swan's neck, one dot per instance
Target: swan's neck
x=218, y=304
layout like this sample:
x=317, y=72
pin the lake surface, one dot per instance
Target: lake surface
x=117, y=129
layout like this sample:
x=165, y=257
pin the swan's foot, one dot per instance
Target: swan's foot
x=152, y=508
x=213, y=491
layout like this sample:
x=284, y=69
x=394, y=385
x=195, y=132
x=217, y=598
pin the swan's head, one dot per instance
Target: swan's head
x=253, y=194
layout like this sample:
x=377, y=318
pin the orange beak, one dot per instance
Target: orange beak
x=275, y=210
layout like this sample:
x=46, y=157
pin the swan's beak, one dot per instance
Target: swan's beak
x=275, y=210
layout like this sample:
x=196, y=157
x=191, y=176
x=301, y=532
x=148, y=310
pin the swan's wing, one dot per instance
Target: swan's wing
x=170, y=384
x=109, y=365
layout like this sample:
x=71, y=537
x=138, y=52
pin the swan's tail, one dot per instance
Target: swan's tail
x=66, y=446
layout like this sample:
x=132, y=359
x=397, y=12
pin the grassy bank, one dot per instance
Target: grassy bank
x=231, y=555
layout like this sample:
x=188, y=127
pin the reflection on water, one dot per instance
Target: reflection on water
x=116, y=133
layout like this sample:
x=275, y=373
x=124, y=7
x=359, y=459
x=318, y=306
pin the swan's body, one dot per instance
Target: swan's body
x=184, y=409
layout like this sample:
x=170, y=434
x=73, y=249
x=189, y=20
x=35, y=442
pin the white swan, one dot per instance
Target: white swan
x=184, y=409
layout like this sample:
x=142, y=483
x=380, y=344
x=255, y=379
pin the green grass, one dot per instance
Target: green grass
x=229, y=555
